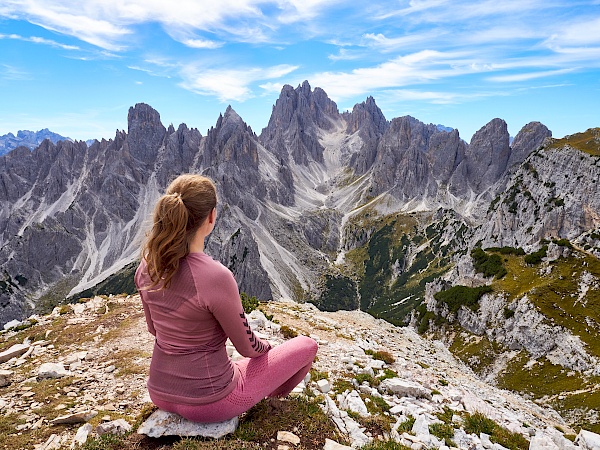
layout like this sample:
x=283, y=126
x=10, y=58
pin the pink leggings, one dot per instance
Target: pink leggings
x=273, y=374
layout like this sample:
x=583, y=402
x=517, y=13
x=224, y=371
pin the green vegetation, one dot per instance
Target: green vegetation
x=249, y=303
x=458, y=296
x=288, y=332
x=381, y=355
x=488, y=265
x=443, y=431
x=588, y=141
x=119, y=283
x=340, y=293
x=536, y=257
x=477, y=423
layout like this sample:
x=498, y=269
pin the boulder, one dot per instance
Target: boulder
x=163, y=423
x=5, y=376
x=53, y=370
x=404, y=388
x=588, y=440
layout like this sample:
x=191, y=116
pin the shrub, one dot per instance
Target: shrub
x=382, y=355
x=249, y=303
x=288, y=332
x=458, y=296
x=536, y=257
x=488, y=265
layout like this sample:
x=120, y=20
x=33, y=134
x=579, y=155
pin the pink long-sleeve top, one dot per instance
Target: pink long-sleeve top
x=191, y=321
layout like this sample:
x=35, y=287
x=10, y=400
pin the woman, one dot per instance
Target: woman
x=192, y=305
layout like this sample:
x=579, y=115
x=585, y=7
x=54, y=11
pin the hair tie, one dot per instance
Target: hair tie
x=176, y=194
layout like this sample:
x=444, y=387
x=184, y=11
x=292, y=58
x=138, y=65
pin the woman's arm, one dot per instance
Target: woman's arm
x=227, y=309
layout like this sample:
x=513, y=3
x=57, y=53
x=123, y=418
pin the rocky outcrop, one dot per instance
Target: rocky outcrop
x=297, y=117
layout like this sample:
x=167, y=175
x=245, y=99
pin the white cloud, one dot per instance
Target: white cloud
x=529, y=75
x=229, y=84
x=416, y=68
x=39, y=40
x=203, y=43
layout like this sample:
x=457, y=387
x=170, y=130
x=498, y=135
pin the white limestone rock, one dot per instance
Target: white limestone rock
x=82, y=435
x=353, y=402
x=53, y=370
x=119, y=426
x=15, y=350
x=78, y=417
x=332, y=445
x=404, y=388
x=588, y=440
x=286, y=436
x=163, y=423
x=324, y=386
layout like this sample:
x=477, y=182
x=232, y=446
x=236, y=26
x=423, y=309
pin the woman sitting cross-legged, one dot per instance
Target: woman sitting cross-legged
x=192, y=305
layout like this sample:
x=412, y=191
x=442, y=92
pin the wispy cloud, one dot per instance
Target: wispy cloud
x=415, y=68
x=229, y=84
x=39, y=40
x=12, y=73
x=203, y=43
x=529, y=75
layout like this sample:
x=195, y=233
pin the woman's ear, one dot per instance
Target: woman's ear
x=212, y=216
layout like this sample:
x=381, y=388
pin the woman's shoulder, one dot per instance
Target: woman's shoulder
x=208, y=266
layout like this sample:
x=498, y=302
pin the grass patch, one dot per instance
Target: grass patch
x=477, y=423
x=382, y=355
x=303, y=417
x=443, y=431
x=588, y=141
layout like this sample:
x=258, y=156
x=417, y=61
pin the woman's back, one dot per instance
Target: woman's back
x=190, y=361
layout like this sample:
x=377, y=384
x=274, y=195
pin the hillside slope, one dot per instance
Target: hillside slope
x=105, y=348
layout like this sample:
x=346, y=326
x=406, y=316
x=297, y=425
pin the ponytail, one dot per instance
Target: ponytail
x=177, y=216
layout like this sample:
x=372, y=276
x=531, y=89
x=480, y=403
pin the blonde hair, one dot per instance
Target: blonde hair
x=178, y=214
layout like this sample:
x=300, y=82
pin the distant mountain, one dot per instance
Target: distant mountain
x=29, y=139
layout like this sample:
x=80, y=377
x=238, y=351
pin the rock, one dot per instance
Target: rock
x=324, y=386
x=485, y=440
x=542, y=441
x=332, y=445
x=588, y=440
x=54, y=442
x=286, y=436
x=119, y=426
x=346, y=424
x=15, y=350
x=81, y=436
x=421, y=428
x=163, y=423
x=5, y=377
x=354, y=403
x=11, y=324
x=53, y=370
x=78, y=417
x=404, y=388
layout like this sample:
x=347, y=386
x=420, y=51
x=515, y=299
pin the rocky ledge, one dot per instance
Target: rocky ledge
x=80, y=372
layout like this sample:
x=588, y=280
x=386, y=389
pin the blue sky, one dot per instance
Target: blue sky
x=78, y=69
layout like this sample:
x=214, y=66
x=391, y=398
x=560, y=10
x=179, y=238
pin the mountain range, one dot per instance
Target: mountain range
x=345, y=210
x=29, y=139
